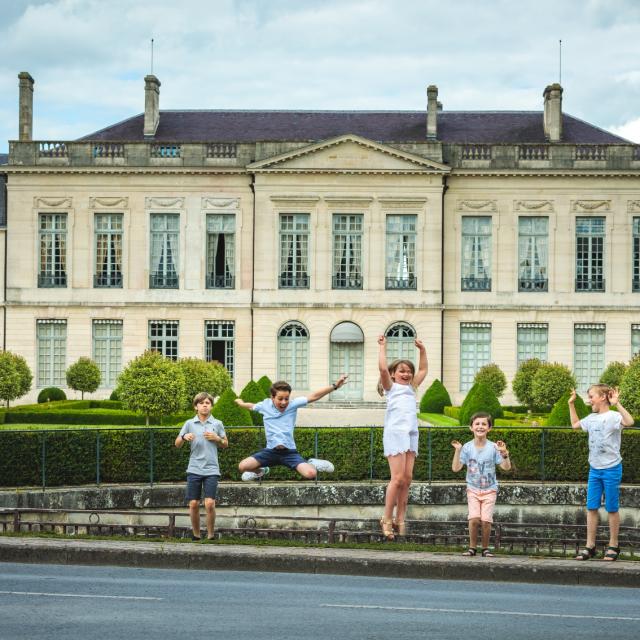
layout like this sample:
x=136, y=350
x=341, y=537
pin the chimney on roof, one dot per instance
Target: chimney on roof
x=25, y=102
x=552, y=120
x=432, y=112
x=151, y=105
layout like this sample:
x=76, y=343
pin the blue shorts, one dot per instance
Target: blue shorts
x=196, y=483
x=605, y=481
x=274, y=457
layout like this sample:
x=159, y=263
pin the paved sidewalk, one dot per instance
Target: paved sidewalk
x=391, y=564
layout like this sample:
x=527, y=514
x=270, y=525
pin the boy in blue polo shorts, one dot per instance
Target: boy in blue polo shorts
x=605, y=463
x=205, y=434
x=279, y=415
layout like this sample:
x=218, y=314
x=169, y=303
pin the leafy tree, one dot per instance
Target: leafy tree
x=265, y=384
x=551, y=381
x=480, y=398
x=630, y=387
x=613, y=373
x=229, y=413
x=559, y=416
x=492, y=376
x=152, y=385
x=83, y=375
x=200, y=375
x=12, y=387
x=521, y=383
x=435, y=398
x=253, y=393
x=51, y=394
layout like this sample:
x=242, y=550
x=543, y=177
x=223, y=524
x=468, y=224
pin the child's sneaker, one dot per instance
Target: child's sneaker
x=248, y=476
x=321, y=465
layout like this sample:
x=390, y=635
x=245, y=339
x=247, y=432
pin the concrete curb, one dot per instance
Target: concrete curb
x=356, y=562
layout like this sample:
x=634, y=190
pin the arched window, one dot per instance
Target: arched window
x=401, y=342
x=293, y=355
x=347, y=356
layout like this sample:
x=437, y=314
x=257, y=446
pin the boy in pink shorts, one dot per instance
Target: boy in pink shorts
x=481, y=457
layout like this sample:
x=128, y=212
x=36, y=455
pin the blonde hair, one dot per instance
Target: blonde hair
x=392, y=369
x=603, y=389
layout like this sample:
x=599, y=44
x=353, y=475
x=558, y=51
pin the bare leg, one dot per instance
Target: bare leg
x=396, y=484
x=194, y=514
x=474, y=523
x=307, y=471
x=486, y=534
x=592, y=527
x=210, y=507
x=248, y=464
x=614, y=528
x=403, y=494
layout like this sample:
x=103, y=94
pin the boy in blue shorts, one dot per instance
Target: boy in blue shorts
x=605, y=463
x=279, y=415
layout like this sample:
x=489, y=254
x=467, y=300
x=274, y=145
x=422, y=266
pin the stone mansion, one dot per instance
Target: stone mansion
x=284, y=242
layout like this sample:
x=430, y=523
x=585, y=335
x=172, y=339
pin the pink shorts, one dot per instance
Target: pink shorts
x=481, y=504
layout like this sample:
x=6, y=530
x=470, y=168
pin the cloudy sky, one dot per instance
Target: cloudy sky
x=89, y=57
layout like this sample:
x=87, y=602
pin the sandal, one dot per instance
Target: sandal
x=470, y=552
x=487, y=554
x=387, y=528
x=587, y=553
x=399, y=527
x=612, y=553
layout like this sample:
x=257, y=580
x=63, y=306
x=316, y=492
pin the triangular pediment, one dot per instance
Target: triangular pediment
x=348, y=153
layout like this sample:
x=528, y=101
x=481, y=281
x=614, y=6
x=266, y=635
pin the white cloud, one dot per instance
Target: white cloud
x=630, y=130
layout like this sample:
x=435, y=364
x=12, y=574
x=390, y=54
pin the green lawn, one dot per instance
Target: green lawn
x=439, y=420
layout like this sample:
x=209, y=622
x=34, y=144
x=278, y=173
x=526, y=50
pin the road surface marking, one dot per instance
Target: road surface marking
x=74, y=595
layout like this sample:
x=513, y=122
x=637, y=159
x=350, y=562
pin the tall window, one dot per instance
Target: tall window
x=533, y=338
x=221, y=249
x=294, y=250
x=347, y=251
x=635, y=339
x=588, y=353
x=163, y=338
x=636, y=254
x=293, y=355
x=401, y=342
x=51, y=336
x=590, y=234
x=219, y=343
x=108, y=250
x=401, y=252
x=533, y=249
x=475, y=350
x=165, y=236
x=107, y=350
x=476, y=253
x=53, y=250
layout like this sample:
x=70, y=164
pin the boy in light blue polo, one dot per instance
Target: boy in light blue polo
x=279, y=414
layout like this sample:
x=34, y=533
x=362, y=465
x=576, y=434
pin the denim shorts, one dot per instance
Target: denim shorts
x=274, y=457
x=605, y=481
x=196, y=483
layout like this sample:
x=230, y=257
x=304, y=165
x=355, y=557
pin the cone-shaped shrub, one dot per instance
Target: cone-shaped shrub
x=559, y=416
x=253, y=393
x=479, y=398
x=265, y=384
x=229, y=413
x=435, y=398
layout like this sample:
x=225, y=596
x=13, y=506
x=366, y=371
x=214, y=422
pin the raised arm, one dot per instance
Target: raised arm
x=320, y=393
x=245, y=405
x=385, y=378
x=505, y=464
x=627, y=418
x=573, y=414
x=423, y=365
x=456, y=465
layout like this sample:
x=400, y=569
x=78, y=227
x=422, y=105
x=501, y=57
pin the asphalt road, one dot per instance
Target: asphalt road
x=57, y=601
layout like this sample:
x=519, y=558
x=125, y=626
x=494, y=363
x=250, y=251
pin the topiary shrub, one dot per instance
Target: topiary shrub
x=492, y=376
x=551, y=381
x=115, y=394
x=200, y=375
x=613, y=374
x=83, y=375
x=51, y=394
x=521, y=383
x=559, y=416
x=435, y=398
x=15, y=376
x=480, y=398
x=265, y=384
x=229, y=413
x=630, y=387
x=253, y=393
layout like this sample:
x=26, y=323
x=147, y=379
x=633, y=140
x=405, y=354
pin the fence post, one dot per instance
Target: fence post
x=429, y=450
x=151, y=457
x=315, y=450
x=542, y=469
x=98, y=458
x=370, y=454
x=44, y=460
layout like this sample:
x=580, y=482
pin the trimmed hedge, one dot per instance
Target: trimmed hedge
x=435, y=398
x=560, y=417
x=50, y=394
x=479, y=398
x=88, y=417
x=253, y=393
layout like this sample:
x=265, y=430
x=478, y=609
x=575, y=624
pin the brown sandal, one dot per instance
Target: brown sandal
x=387, y=528
x=399, y=527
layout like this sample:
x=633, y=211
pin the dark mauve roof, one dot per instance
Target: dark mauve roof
x=381, y=126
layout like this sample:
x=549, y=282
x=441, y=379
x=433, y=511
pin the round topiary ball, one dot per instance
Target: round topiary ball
x=51, y=394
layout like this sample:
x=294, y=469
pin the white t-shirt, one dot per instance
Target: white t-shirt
x=604, y=431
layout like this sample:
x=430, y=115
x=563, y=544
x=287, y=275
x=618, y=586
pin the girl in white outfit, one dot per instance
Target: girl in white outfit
x=399, y=381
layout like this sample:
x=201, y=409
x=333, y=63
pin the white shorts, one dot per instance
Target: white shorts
x=396, y=441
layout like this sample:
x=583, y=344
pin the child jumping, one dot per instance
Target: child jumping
x=279, y=413
x=605, y=463
x=205, y=434
x=398, y=382
x=481, y=457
